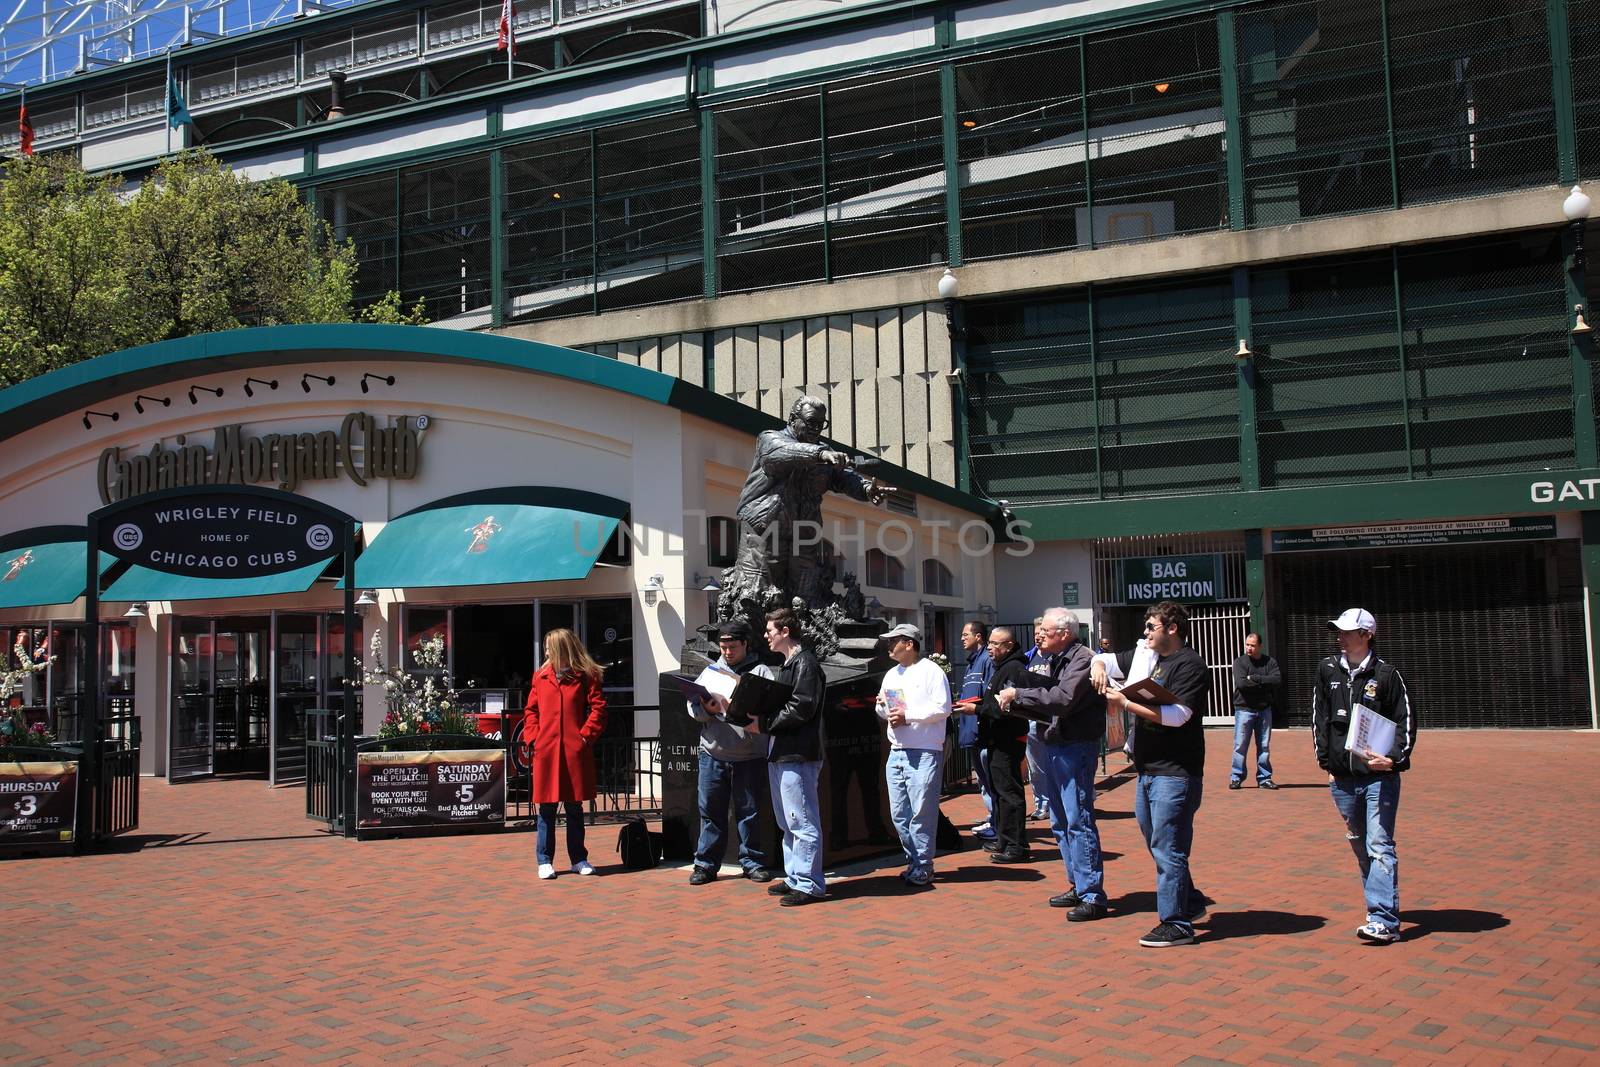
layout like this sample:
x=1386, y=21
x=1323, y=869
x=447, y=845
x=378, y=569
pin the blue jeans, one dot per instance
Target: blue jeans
x=545, y=839
x=1248, y=723
x=979, y=759
x=794, y=801
x=720, y=779
x=1066, y=774
x=1369, y=806
x=1035, y=749
x=913, y=777
x=1165, y=806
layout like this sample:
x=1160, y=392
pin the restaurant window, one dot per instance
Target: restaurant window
x=937, y=579
x=884, y=571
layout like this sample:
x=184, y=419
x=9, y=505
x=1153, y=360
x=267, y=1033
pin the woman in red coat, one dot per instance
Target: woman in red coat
x=566, y=714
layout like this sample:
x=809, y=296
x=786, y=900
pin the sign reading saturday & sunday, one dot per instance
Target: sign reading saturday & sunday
x=1405, y=534
x=412, y=790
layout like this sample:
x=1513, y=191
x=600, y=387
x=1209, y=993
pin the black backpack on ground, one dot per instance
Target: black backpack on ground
x=640, y=849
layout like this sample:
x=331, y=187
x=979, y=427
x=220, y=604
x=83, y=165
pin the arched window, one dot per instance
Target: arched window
x=937, y=579
x=884, y=571
x=722, y=540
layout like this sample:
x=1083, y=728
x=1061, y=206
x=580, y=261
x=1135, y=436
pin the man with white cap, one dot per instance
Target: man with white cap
x=1357, y=684
x=915, y=701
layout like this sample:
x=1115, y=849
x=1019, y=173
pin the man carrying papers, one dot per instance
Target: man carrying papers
x=1364, y=730
x=731, y=762
x=915, y=701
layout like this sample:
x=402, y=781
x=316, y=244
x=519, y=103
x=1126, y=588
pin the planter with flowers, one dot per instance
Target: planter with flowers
x=16, y=732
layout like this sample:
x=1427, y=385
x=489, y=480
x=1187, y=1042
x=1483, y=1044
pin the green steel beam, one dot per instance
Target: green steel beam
x=1249, y=452
x=1581, y=349
x=1088, y=188
x=594, y=222
x=1232, y=120
x=1397, y=501
x=1560, y=35
x=1388, y=105
x=952, y=164
x=708, y=202
x=1589, y=552
x=497, y=239
x=1255, y=580
x=1094, y=383
x=1400, y=350
x=822, y=154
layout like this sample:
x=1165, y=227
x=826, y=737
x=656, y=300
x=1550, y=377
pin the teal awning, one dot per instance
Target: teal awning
x=50, y=572
x=142, y=583
x=492, y=539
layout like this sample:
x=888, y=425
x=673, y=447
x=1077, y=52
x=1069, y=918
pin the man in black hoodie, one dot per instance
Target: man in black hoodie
x=1004, y=738
x=1365, y=783
x=794, y=762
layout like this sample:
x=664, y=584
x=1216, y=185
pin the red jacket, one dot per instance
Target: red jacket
x=565, y=717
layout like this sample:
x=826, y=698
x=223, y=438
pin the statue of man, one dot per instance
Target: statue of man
x=780, y=507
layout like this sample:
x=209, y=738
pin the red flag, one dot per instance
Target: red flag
x=508, y=30
x=26, y=128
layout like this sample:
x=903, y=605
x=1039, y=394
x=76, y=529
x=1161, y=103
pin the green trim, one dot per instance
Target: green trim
x=594, y=221
x=1589, y=554
x=497, y=236
x=1249, y=450
x=1094, y=376
x=1400, y=350
x=710, y=224
x=42, y=535
x=1497, y=494
x=1580, y=347
x=1559, y=32
x=1088, y=185
x=822, y=160
x=952, y=162
x=1388, y=107
x=1232, y=120
x=1255, y=580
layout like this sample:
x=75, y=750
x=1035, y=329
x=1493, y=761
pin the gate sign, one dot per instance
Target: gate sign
x=1186, y=579
x=38, y=801
x=221, y=535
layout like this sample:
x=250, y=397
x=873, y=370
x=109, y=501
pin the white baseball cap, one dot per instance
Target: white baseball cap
x=1355, y=619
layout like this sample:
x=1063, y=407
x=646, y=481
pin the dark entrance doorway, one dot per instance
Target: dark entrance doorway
x=1484, y=635
x=221, y=697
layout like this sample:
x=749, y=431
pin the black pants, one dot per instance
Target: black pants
x=1005, y=784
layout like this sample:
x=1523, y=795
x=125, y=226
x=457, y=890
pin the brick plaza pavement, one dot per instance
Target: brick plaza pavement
x=229, y=930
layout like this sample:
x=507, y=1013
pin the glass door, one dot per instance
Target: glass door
x=189, y=741
x=240, y=719
x=299, y=681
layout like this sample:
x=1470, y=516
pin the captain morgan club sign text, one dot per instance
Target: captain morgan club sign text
x=362, y=449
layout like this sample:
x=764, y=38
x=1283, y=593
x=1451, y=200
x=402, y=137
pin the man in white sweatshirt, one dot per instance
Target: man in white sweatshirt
x=915, y=701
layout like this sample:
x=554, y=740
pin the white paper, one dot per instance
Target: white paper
x=715, y=679
x=1369, y=732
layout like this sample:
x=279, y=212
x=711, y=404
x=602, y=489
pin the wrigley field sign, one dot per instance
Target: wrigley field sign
x=361, y=449
x=223, y=535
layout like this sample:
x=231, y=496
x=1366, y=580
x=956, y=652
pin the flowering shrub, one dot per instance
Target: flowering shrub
x=418, y=706
x=940, y=660
x=13, y=729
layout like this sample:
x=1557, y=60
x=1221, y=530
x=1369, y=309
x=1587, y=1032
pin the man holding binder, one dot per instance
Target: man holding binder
x=733, y=762
x=1364, y=730
x=1169, y=752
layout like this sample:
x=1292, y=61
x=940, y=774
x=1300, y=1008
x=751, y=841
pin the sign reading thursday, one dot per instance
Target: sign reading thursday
x=1404, y=534
x=38, y=801
x=1151, y=579
x=222, y=535
x=411, y=790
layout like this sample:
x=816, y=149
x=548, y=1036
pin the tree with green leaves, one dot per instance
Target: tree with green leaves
x=87, y=267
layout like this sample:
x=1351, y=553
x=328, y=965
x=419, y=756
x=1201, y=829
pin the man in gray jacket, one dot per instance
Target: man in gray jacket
x=732, y=762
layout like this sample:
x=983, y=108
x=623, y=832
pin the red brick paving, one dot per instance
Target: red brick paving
x=235, y=932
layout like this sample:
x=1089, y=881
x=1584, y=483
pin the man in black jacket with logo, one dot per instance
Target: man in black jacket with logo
x=1003, y=738
x=1169, y=752
x=794, y=762
x=1365, y=782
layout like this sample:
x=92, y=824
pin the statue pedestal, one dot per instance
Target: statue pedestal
x=855, y=802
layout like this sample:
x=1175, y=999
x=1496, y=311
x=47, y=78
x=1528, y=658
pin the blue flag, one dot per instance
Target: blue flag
x=177, y=112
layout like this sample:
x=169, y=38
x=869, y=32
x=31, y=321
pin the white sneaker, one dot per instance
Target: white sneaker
x=1377, y=933
x=583, y=867
x=547, y=870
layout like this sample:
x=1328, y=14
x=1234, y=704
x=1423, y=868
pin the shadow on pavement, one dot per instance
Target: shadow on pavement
x=129, y=843
x=1225, y=924
x=1451, y=921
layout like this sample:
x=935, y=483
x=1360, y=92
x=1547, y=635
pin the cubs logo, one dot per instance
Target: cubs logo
x=1372, y=689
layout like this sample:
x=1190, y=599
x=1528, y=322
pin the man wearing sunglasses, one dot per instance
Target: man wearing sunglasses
x=1169, y=752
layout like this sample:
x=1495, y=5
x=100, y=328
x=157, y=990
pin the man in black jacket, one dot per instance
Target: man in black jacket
x=1255, y=692
x=794, y=762
x=1169, y=752
x=1073, y=719
x=1365, y=777
x=1003, y=738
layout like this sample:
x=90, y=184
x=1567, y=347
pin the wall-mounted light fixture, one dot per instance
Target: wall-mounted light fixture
x=366, y=600
x=305, y=380
x=270, y=383
x=653, y=589
x=138, y=402
x=204, y=389
x=708, y=583
x=112, y=415
x=137, y=610
x=386, y=379
x=1244, y=350
x=1579, y=327
x=1576, y=208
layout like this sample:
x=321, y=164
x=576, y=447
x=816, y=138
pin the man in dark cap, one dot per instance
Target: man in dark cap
x=733, y=763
